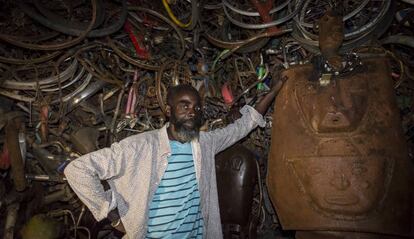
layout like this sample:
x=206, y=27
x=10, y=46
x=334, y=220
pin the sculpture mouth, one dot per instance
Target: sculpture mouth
x=342, y=200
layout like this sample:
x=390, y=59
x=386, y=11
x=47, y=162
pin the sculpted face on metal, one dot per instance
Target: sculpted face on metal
x=338, y=107
x=338, y=162
x=341, y=186
x=339, y=180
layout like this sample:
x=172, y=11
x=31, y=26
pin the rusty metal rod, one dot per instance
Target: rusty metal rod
x=17, y=165
x=11, y=219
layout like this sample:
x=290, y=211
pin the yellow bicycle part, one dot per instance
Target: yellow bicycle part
x=173, y=17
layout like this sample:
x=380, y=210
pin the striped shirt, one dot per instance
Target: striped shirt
x=175, y=210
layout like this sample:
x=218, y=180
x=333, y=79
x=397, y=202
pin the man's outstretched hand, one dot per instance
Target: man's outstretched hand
x=267, y=99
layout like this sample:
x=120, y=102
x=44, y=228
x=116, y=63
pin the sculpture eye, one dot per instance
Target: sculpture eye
x=314, y=170
x=358, y=170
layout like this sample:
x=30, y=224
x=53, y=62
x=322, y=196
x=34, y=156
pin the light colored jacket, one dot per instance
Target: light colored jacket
x=134, y=167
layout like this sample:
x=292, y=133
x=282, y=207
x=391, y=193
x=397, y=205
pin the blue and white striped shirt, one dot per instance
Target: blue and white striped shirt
x=175, y=208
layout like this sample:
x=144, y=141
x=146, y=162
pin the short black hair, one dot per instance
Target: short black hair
x=179, y=89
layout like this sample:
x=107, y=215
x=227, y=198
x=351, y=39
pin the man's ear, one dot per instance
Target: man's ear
x=168, y=111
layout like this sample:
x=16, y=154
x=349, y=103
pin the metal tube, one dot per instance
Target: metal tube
x=17, y=165
x=11, y=219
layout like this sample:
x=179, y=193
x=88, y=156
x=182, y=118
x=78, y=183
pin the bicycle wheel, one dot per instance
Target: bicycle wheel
x=252, y=20
x=18, y=41
x=171, y=73
x=310, y=41
x=55, y=21
x=24, y=29
x=150, y=39
x=19, y=56
x=183, y=13
x=360, y=16
x=220, y=32
x=245, y=77
x=147, y=89
x=245, y=8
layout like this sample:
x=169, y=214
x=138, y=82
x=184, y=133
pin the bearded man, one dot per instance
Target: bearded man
x=163, y=182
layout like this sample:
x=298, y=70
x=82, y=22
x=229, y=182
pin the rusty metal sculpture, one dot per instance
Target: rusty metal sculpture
x=338, y=164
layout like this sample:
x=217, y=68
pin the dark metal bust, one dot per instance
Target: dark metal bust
x=236, y=177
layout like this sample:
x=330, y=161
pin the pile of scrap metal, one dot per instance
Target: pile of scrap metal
x=76, y=76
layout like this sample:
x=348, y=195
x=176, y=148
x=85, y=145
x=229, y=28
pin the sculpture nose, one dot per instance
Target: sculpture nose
x=339, y=181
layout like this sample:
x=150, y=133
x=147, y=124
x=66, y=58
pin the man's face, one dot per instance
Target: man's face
x=186, y=115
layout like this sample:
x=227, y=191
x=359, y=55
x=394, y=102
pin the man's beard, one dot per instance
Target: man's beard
x=185, y=133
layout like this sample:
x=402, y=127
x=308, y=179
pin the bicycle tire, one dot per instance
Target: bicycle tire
x=379, y=29
x=211, y=6
x=17, y=42
x=140, y=63
x=231, y=45
x=263, y=25
x=399, y=39
x=74, y=79
x=41, y=59
x=346, y=17
x=100, y=15
x=33, y=85
x=354, y=34
x=254, y=14
x=194, y=15
x=88, y=90
x=59, y=24
x=224, y=42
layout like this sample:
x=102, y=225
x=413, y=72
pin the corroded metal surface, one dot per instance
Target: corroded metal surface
x=14, y=153
x=331, y=37
x=338, y=159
